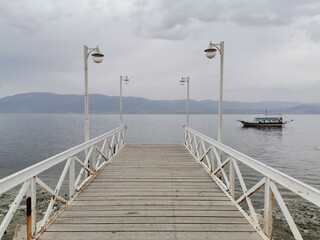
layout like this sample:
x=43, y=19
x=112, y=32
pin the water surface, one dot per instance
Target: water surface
x=27, y=139
x=295, y=149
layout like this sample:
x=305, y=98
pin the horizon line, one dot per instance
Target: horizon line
x=242, y=101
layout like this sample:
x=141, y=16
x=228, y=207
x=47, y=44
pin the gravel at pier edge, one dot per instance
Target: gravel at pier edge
x=306, y=217
x=20, y=216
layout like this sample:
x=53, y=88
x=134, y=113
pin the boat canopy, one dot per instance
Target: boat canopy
x=269, y=118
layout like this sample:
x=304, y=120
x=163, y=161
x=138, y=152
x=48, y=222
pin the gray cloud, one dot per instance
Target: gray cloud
x=174, y=19
x=11, y=16
x=157, y=42
x=313, y=29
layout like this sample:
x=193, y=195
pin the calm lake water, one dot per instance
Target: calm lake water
x=27, y=139
x=295, y=149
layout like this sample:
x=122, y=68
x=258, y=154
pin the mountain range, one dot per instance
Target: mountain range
x=42, y=102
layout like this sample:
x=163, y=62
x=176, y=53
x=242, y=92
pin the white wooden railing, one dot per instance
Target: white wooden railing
x=216, y=157
x=96, y=153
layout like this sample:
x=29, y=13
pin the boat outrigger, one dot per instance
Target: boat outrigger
x=265, y=122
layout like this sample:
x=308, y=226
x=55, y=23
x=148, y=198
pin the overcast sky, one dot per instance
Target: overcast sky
x=272, y=47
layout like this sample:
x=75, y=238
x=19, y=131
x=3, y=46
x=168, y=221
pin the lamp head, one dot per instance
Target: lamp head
x=182, y=81
x=210, y=51
x=97, y=57
x=126, y=80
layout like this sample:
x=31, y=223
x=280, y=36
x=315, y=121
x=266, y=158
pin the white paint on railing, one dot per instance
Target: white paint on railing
x=29, y=177
x=307, y=192
x=210, y=157
x=25, y=174
x=194, y=139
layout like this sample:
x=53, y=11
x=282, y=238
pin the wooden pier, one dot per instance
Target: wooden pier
x=151, y=191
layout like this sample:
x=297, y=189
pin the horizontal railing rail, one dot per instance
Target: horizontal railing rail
x=96, y=153
x=215, y=157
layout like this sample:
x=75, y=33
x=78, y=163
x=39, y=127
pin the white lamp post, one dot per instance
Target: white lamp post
x=211, y=53
x=97, y=57
x=126, y=81
x=182, y=82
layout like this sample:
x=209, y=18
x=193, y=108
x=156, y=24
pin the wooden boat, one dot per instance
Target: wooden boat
x=265, y=122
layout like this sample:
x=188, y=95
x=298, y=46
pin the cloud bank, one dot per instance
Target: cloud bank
x=272, y=48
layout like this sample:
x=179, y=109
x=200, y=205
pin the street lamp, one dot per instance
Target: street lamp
x=211, y=53
x=126, y=81
x=182, y=82
x=97, y=57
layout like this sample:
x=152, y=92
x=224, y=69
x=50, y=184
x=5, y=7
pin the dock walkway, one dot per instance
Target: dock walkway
x=151, y=191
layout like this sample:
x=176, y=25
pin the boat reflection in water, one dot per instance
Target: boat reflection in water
x=265, y=122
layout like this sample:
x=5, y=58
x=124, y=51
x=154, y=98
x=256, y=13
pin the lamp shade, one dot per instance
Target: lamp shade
x=182, y=82
x=97, y=57
x=126, y=80
x=210, y=52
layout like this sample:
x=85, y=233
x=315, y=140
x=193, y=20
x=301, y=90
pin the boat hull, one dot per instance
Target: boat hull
x=251, y=124
x=269, y=122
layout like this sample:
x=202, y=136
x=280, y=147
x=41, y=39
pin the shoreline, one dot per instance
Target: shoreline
x=306, y=216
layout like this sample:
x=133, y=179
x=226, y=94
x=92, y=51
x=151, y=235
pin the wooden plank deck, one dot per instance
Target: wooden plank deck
x=152, y=191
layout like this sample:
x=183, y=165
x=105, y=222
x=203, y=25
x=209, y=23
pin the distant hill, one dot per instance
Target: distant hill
x=70, y=103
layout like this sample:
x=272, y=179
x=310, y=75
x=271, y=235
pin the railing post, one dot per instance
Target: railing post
x=94, y=158
x=31, y=208
x=71, y=177
x=212, y=160
x=188, y=140
x=106, y=149
x=113, y=150
x=87, y=174
x=121, y=139
x=124, y=136
x=268, y=209
x=191, y=143
x=231, y=177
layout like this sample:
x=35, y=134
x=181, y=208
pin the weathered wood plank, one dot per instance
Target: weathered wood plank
x=151, y=235
x=147, y=227
x=154, y=220
x=160, y=189
x=155, y=213
x=153, y=202
x=151, y=181
x=152, y=207
x=152, y=191
x=131, y=198
x=154, y=194
x=158, y=185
